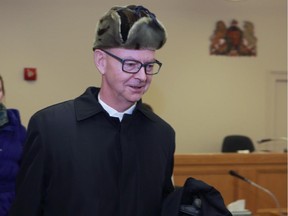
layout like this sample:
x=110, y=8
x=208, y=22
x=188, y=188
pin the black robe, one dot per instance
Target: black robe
x=79, y=161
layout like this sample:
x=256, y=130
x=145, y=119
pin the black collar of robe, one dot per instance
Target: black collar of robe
x=87, y=105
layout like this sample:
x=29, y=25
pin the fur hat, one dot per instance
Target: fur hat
x=131, y=27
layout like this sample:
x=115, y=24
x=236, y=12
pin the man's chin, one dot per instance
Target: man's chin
x=134, y=99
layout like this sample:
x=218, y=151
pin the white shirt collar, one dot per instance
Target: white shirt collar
x=114, y=113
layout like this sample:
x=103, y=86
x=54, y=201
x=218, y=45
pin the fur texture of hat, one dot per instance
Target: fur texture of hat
x=131, y=27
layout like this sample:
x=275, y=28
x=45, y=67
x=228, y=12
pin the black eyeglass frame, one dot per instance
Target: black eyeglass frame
x=122, y=61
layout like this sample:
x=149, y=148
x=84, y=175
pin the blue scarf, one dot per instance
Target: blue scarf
x=3, y=115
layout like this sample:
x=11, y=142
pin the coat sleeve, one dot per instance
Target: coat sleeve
x=30, y=184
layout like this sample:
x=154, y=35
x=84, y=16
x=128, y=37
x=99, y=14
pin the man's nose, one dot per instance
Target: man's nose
x=141, y=74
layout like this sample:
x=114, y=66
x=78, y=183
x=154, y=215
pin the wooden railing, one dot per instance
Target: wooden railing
x=266, y=169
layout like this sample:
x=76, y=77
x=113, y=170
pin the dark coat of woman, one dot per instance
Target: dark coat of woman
x=79, y=161
x=12, y=135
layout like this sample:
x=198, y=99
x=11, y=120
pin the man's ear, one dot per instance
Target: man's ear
x=100, y=60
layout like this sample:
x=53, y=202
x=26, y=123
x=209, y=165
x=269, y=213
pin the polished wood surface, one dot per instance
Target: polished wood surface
x=266, y=169
x=272, y=212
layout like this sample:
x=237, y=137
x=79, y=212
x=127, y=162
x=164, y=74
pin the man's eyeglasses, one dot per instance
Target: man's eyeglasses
x=133, y=66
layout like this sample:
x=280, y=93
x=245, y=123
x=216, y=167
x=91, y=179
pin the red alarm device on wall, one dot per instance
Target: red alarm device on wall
x=30, y=74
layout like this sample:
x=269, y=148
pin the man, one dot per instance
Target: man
x=103, y=154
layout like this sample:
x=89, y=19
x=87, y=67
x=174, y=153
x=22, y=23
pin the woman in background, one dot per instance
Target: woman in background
x=12, y=136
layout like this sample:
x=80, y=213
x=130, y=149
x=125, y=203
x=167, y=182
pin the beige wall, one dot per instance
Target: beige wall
x=203, y=97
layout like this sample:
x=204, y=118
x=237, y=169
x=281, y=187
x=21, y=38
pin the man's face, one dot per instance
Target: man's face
x=120, y=89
